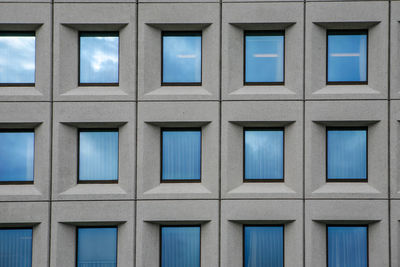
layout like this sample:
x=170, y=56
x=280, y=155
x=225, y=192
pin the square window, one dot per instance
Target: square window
x=17, y=156
x=263, y=154
x=346, y=154
x=180, y=246
x=98, y=155
x=264, y=57
x=347, y=246
x=347, y=56
x=17, y=58
x=181, y=155
x=263, y=246
x=16, y=247
x=181, y=58
x=96, y=246
x=98, y=58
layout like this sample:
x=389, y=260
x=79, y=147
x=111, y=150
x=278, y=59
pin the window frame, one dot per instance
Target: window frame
x=78, y=156
x=343, y=180
x=263, y=33
x=102, y=34
x=22, y=130
x=262, y=225
x=183, y=129
x=178, y=225
x=268, y=180
x=100, y=226
x=344, y=225
x=16, y=34
x=345, y=32
x=181, y=33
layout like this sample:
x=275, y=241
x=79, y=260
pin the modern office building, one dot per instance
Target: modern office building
x=188, y=133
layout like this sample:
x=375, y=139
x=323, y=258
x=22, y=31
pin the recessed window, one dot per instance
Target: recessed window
x=98, y=155
x=96, y=246
x=16, y=247
x=17, y=58
x=263, y=246
x=264, y=57
x=346, y=154
x=263, y=154
x=347, y=246
x=181, y=58
x=17, y=156
x=98, y=58
x=347, y=56
x=181, y=155
x=180, y=246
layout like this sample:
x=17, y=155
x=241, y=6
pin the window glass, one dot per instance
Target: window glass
x=263, y=246
x=264, y=57
x=347, y=246
x=181, y=154
x=347, y=154
x=99, y=54
x=98, y=155
x=17, y=58
x=16, y=247
x=347, y=56
x=180, y=246
x=97, y=247
x=16, y=156
x=181, y=57
x=263, y=154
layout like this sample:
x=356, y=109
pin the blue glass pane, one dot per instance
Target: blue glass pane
x=16, y=156
x=263, y=154
x=263, y=246
x=17, y=58
x=347, y=154
x=98, y=155
x=264, y=58
x=16, y=247
x=181, y=155
x=180, y=246
x=347, y=246
x=181, y=59
x=347, y=58
x=97, y=247
x=99, y=59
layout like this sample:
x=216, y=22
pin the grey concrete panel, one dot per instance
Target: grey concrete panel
x=394, y=149
x=68, y=118
x=151, y=118
x=319, y=115
x=237, y=213
x=155, y=18
x=350, y=15
x=30, y=17
x=236, y=116
x=261, y=16
x=395, y=231
x=72, y=18
x=394, y=50
x=36, y=116
x=153, y=214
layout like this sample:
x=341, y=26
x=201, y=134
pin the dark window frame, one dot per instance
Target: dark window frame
x=269, y=180
x=262, y=225
x=178, y=225
x=34, y=151
x=263, y=33
x=98, y=34
x=78, y=149
x=343, y=180
x=16, y=34
x=181, y=33
x=345, y=32
x=345, y=225
x=86, y=227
